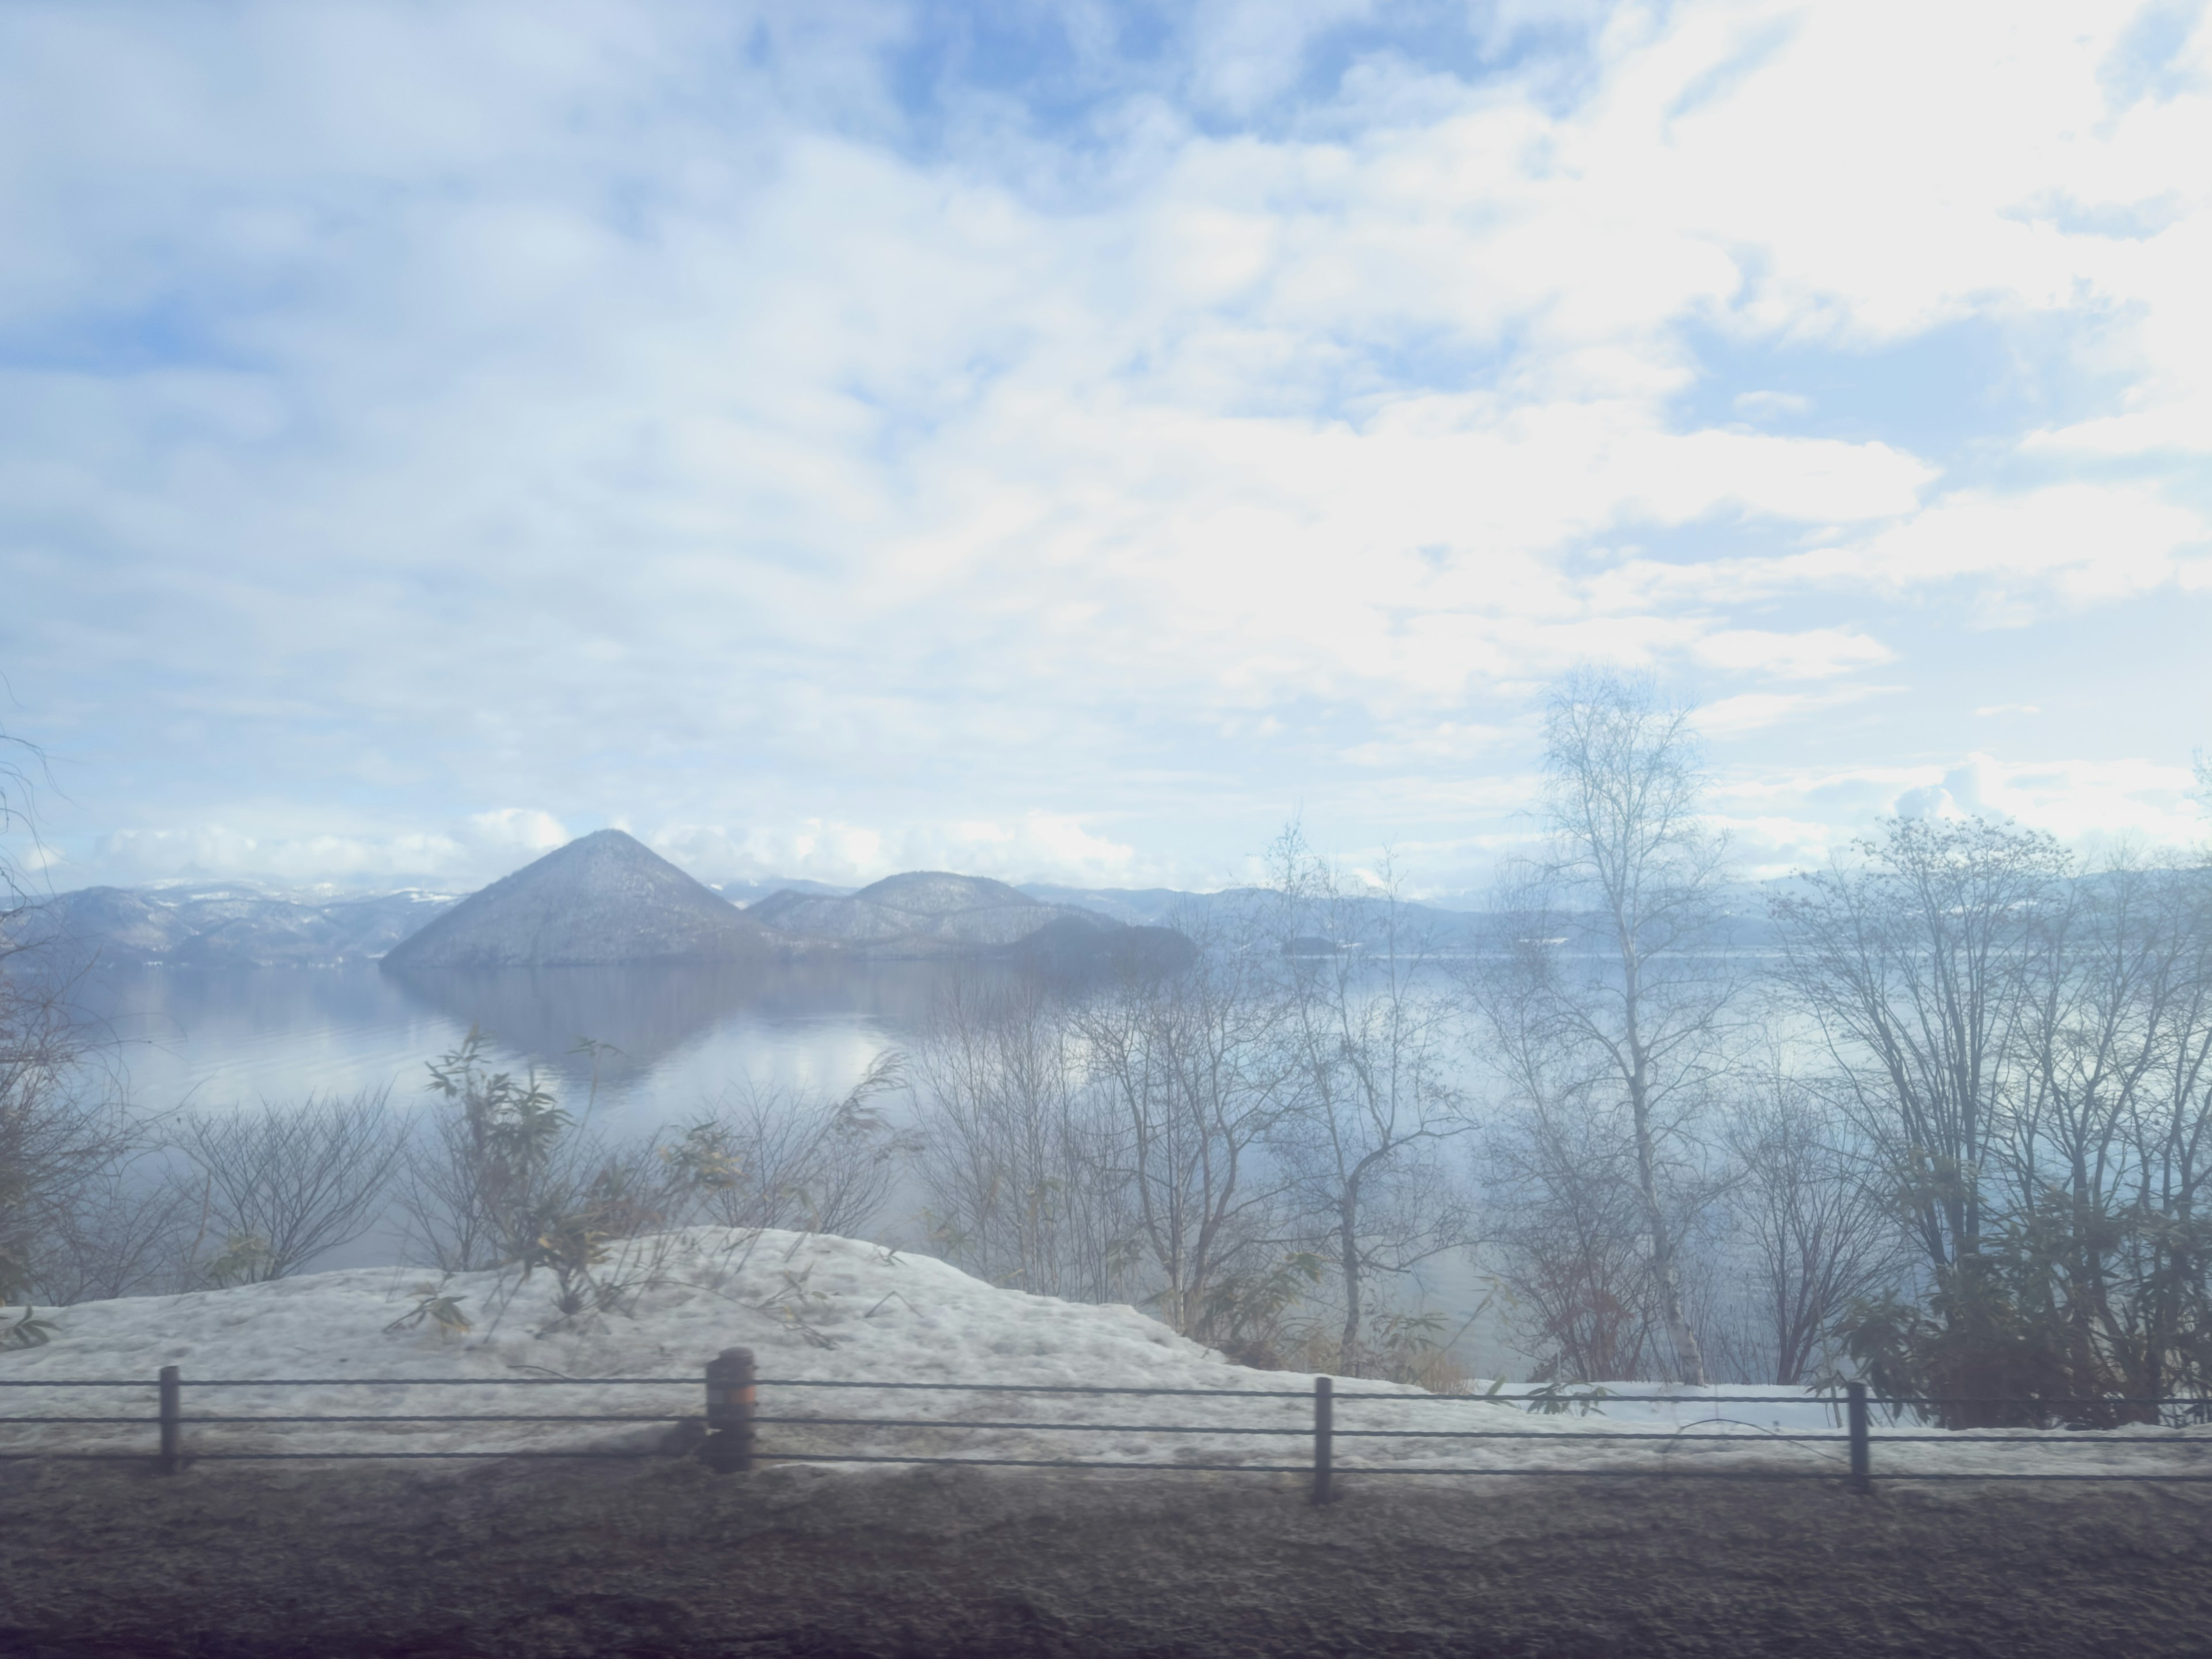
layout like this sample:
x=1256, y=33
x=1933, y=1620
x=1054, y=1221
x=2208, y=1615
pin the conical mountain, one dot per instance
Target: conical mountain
x=604, y=900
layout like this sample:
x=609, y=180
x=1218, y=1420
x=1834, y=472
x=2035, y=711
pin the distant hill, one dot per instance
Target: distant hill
x=1135, y=905
x=751, y=892
x=925, y=913
x=604, y=900
x=1421, y=927
x=580, y=918
x=226, y=925
x=930, y=912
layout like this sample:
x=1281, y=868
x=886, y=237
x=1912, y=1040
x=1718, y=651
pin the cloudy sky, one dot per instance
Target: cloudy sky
x=1059, y=441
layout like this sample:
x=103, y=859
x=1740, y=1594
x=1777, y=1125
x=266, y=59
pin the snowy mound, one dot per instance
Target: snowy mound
x=825, y=1310
x=811, y=1307
x=807, y=1304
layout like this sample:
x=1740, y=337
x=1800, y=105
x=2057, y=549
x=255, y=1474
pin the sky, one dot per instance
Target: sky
x=1063, y=441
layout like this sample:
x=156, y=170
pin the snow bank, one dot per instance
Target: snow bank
x=822, y=1309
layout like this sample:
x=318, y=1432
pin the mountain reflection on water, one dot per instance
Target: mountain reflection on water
x=648, y=1014
x=217, y=1039
x=675, y=1036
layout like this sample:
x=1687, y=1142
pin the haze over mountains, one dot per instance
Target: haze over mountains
x=229, y=925
x=604, y=900
x=925, y=912
x=608, y=900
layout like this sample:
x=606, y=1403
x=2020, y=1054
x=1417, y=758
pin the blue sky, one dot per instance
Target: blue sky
x=1061, y=442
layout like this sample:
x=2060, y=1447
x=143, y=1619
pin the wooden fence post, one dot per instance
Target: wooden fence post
x=1862, y=1450
x=173, y=1431
x=1324, y=1438
x=728, y=1449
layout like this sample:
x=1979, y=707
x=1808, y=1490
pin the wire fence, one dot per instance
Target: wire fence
x=727, y=1434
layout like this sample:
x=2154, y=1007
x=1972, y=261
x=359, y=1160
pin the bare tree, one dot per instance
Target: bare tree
x=2028, y=1049
x=1192, y=1064
x=64, y=1125
x=1020, y=1158
x=19, y=761
x=1937, y=968
x=1817, y=1231
x=781, y=1158
x=128, y=1230
x=1566, y=1236
x=1608, y=965
x=1375, y=1108
x=2161, y=1327
x=1917, y=966
x=285, y=1184
x=2102, y=1155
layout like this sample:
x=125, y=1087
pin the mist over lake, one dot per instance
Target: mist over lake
x=678, y=1034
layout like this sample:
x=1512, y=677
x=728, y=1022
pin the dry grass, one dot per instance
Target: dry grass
x=1317, y=1353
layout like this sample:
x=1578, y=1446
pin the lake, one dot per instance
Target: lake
x=679, y=1036
x=219, y=1039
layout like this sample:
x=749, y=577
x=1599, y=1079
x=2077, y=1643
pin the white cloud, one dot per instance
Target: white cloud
x=524, y=829
x=1765, y=406
x=1757, y=711
x=2071, y=542
x=1034, y=845
x=1815, y=654
x=445, y=409
x=2090, y=804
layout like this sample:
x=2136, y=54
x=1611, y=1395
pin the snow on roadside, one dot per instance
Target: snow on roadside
x=833, y=1309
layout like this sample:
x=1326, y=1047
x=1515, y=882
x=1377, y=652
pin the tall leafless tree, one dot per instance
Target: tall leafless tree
x=2162, y=1335
x=1192, y=1067
x=20, y=763
x=2025, y=1046
x=1566, y=1234
x=67, y=1130
x=1610, y=958
x=65, y=1124
x=1916, y=963
x=2103, y=1150
x=1376, y=1110
x=1814, y=1229
x=1021, y=1158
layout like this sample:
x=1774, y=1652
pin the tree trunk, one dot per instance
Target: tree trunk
x=1348, y=1240
x=1665, y=1270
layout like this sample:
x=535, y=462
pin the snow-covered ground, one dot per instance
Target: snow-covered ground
x=828, y=1310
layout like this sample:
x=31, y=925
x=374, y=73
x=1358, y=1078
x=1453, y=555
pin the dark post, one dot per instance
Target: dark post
x=1324, y=1437
x=1861, y=1455
x=728, y=1449
x=173, y=1431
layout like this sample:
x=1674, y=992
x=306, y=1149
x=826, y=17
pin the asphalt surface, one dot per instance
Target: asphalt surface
x=550, y=1559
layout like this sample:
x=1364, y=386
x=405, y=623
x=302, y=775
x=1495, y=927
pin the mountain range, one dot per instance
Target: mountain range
x=607, y=899
x=227, y=924
x=925, y=913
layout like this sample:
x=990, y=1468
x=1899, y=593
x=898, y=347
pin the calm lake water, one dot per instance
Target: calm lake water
x=679, y=1036
x=217, y=1039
